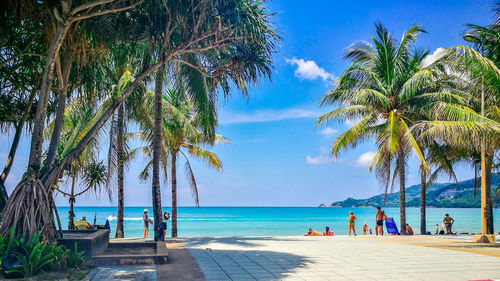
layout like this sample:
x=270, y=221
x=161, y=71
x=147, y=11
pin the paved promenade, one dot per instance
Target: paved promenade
x=343, y=258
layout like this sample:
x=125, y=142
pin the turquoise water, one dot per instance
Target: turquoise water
x=258, y=221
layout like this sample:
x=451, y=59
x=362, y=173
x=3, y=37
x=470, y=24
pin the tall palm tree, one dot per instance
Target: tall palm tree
x=182, y=136
x=382, y=90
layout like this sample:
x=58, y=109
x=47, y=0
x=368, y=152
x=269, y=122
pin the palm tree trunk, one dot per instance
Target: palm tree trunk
x=402, y=196
x=173, y=176
x=423, y=189
x=121, y=156
x=489, y=206
x=157, y=141
x=71, y=213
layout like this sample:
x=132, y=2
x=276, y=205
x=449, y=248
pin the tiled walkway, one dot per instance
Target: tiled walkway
x=338, y=258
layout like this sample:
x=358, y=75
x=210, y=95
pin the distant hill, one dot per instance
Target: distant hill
x=439, y=195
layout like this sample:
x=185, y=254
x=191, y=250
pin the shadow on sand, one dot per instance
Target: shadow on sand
x=240, y=263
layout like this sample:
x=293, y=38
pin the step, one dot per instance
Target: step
x=131, y=253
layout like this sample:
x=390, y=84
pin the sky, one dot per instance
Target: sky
x=277, y=157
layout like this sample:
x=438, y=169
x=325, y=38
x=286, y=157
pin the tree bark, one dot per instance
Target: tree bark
x=121, y=158
x=173, y=177
x=35, y=158
x=157, y=142
x=423, y=191
x=402, y=196
x=489, y=205
x=71, y=213
x=63, y=78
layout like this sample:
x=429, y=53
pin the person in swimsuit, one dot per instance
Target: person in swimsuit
x=312, y=233
x=437, y=228
x=327, y=232
x=379, y=218
x=409, y=230
x=365, y=228
x=145, y=222
x=448, y=222
x=351, y=220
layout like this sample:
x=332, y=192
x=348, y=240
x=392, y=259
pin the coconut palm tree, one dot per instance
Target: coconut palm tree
x=384, y=90
x=183, y=136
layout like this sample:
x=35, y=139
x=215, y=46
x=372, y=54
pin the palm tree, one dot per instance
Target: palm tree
x=182, y=136
x=383, y=90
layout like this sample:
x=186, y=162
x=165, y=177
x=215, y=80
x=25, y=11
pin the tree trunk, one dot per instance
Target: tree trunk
x=489, y=205
x=402, y=197
x=173, y=176
x=35, y=157
x=63, y=78
x=423, y=189
x=157, y=142
x=71, y=213
x=121, y=158
x=13, y=149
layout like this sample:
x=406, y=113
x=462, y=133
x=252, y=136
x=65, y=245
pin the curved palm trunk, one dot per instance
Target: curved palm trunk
x=71, y=213
x=489, y=205
x=121, y=156
x=402, y=195
x=157, y=140
x=173, y=176
x=423, y=189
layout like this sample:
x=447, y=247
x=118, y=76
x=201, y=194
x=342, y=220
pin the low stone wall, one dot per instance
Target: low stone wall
x=92, y=241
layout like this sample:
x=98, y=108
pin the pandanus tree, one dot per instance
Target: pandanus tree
x=183, y=136
x=383, y=90
x=234, y=41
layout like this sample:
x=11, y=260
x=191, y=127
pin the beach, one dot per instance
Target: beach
x=320, y=258
x=275, y=221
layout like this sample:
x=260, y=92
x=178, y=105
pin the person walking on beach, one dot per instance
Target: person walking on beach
x=379, y=219
x=448, y=222
x=351, y=220
x=145, y=223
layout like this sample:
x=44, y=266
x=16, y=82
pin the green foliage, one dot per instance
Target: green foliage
x=75, y=259
x=36, y=255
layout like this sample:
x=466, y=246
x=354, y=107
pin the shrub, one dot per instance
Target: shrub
x=75, y=259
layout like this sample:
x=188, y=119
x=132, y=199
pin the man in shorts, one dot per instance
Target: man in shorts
x=379, y=219
x=448, y=222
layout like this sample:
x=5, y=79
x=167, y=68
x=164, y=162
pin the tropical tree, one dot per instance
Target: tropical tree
x=183, y=136
x=384, y=90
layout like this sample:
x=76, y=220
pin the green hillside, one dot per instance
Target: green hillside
x=439, y=195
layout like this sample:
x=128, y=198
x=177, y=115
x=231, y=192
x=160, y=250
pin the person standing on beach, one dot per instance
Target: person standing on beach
x=145, y=222
x=448, y=222
x=351, y=220
x=365, y=228
x=379, y=219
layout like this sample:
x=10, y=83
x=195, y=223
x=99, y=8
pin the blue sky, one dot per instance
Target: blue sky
x=276, y=156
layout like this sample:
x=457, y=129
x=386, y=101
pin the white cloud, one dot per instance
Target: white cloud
x=429, y=59
x=309, y=70
x=268, y=115
x=365, y=159
x=328, y=132
x=319, y=160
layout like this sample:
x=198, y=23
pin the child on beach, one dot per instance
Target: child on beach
x=365, y=228
x=351, y=220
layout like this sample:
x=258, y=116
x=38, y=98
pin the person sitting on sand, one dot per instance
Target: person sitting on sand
x=312, y=233
x=351, y=220
x=448, y=222
x=327, y=232
x=84, y=218
x=409, y=230
x=365, y=228
x=379, y=219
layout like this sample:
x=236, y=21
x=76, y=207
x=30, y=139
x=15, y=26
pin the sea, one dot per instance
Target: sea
x=273, y=221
